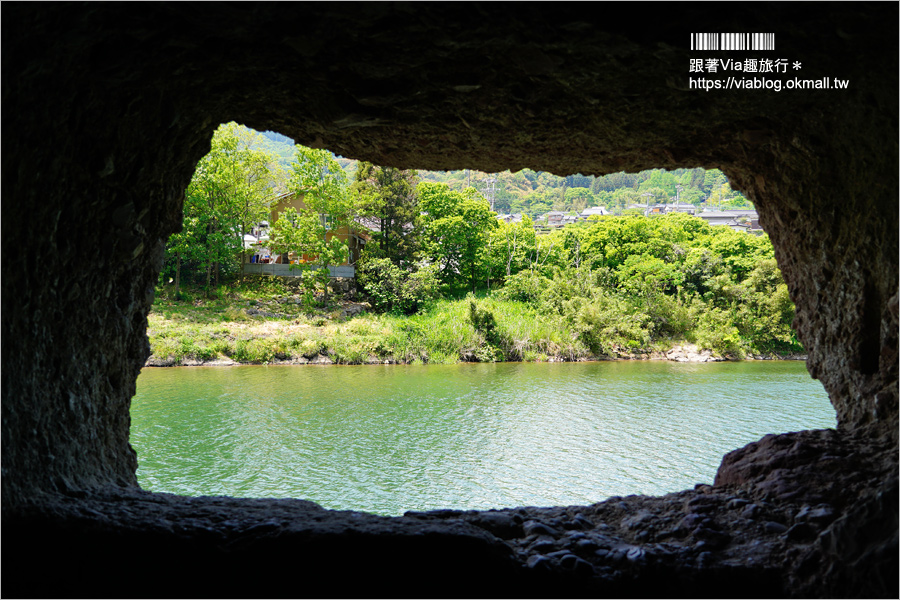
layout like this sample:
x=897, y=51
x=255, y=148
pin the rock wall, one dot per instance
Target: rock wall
x=108, y=108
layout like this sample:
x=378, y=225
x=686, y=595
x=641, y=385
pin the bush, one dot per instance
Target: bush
x=609, y=325
x=716, y=332
x=253, y=351
x=524, y=287
x=483, y=321
x=392, y=289
x=669, y=317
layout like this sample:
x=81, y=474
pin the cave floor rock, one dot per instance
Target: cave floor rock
x=759, y=538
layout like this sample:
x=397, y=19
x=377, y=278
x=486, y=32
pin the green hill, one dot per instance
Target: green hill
x=536, y=192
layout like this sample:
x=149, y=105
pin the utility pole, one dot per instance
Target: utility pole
x=489, y=189
x=647, y=195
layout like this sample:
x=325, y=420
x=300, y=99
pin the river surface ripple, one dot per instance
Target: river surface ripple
x=391, y=438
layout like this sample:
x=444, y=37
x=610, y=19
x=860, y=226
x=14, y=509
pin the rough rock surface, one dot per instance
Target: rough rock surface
x=107, y=109
x=690, y=353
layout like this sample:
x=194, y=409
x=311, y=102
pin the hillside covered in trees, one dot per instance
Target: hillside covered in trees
x=534, y=193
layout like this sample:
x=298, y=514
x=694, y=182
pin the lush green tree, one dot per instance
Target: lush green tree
x=654, y=195
x=661, y=180
x=503, y=201
x=559, y=199
x=690, y=196
x=579, y=181
x=549, y=253
x=713, y=179
x=622, y=197
x=228, y=194
x=538, y=203
x=457, y=226
x=647, y=277
x=739, y=251
x=388, y=196
x=698, y=268
x=392, y=288
x=579, y=198
x=510, y=246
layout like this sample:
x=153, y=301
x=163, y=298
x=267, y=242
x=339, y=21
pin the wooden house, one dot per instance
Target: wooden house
x=355, y=237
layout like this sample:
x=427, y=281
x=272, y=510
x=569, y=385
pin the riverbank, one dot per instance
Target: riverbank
x=325, y=360
x=236, y=330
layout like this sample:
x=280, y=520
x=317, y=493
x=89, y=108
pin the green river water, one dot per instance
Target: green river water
x=391, y=438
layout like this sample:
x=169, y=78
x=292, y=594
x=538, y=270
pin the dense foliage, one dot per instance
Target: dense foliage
x=535, y=193
x=388, y=205
x=226, y=197
x=627, y=283
x=615, y=284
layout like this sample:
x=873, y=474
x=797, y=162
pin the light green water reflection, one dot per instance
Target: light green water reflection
x=391, y=438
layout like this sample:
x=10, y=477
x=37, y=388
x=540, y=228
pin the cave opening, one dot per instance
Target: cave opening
x=164, y=471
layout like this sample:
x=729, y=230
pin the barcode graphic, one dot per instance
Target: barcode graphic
x=732, y=41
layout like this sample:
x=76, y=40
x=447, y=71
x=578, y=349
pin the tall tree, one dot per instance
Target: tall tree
x=511, y=244
x=388, y=197
x=228, y=194
x=456, y=231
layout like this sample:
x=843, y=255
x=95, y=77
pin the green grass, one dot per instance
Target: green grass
x=200, y=329
x=237, y=324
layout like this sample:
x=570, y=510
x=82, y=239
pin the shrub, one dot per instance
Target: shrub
x=716, y=332
x=253, y=351
x=307, y=347
x=390, y=288
x=524, y=287
x=609, y=324
x=668, y=317
x=485, y=324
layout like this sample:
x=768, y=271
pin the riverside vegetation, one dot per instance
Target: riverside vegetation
x=719, y=289
x=442, y=280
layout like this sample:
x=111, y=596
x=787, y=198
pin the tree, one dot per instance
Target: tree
x=622, y=197
x=388, y=196
x=228, y=194
x=712, y=180
x=390, y=288
x=661, y=179
x=579, y=198
x=328, y=206
x=456, y=230
x=511, y=244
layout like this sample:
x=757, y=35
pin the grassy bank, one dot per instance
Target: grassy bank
x=264, y=322
x=254, y=328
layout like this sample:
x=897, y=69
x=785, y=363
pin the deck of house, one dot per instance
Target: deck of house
x=285, y=270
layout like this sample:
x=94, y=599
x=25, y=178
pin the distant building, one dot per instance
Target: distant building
x=355, y=237
x=554, y=218
x=680, y=207
x=510, y=218
x=730, y=218
x=590, y=212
